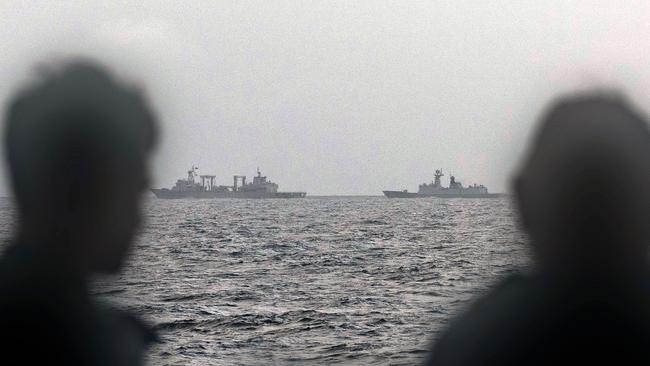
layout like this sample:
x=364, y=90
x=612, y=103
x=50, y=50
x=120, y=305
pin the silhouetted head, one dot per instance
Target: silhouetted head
x=77, y=143
x=584, y=191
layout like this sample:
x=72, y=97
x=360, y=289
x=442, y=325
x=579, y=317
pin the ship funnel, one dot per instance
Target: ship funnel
x=236, y=179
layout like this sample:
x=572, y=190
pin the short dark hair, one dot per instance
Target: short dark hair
x=74, y=119
x=587, y=172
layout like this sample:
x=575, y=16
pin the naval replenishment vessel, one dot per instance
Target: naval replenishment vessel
x=435, y=189
x=261, y=187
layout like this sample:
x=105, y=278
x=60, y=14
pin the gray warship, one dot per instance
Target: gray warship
x=261, y=187
x=435, y=189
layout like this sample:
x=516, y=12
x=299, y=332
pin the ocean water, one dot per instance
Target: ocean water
x=348, y=280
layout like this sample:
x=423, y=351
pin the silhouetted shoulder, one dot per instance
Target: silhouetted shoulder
x=48, y=320
x=477, y=336
x=545, y=320
x=126, y=336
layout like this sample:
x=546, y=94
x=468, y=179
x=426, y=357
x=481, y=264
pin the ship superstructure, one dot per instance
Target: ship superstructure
x=436, y=189
x=260, y=187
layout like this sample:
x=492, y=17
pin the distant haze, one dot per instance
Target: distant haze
x=340, y=97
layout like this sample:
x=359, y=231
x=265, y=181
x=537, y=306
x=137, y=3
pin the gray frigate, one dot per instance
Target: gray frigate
x=435, y=189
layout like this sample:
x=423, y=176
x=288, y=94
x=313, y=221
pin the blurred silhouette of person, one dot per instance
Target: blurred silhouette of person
x=584, y=199
x=77, y=143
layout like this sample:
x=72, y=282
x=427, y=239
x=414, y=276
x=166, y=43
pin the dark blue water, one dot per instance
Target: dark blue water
x=311, y=281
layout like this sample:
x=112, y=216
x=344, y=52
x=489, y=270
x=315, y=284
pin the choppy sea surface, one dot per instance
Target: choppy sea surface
x=347, y=280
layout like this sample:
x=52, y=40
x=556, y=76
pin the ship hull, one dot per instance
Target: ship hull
x=403, y=194
x=170, y=194
x=399, y=194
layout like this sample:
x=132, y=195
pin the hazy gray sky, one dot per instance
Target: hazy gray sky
x=340, y=97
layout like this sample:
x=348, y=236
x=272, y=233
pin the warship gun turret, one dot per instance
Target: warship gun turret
x=190, y=187
x=435, y=189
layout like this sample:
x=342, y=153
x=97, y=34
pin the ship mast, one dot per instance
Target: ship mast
x=192, y=173
x=438, y=175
